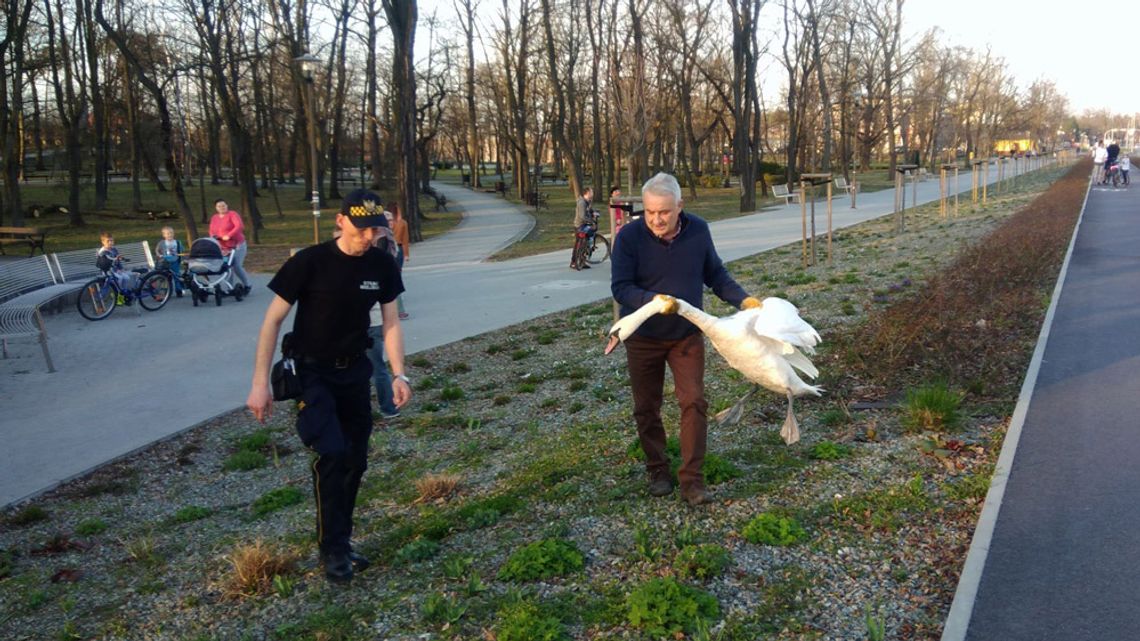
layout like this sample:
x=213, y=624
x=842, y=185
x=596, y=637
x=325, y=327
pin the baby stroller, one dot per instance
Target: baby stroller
x=209, y=272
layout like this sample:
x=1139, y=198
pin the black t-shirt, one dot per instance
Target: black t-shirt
x=334, y=292
x=1113, y=151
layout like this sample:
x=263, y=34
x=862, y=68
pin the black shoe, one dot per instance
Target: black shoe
x=660, y=483
x=338, y=566
x=585, y=265
x=574, y=267
x=360, y=562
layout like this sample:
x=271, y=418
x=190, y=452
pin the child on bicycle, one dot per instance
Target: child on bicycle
x=169, y=251
x=110, y=261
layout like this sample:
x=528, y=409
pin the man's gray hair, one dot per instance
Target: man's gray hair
x=663, y=184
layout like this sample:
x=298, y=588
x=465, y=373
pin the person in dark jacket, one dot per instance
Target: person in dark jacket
x=334, y=285
x=670, y=251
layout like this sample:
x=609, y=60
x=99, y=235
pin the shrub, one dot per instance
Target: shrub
x=542, y=559
x=417, y=550
x=717, y=470
x=253, y=568
x=769, y=529
x=256, y=441
x=451, y=393
x=523, y=621
x=6, y=562
x=436, y=486
x=483, y=517
x=29, y=515
x=277, y=499
x=664, y=607
x=245, y=460
x=932, y=407
x=438, y=608
x=701, y=562
x=190, y=513
x=828, y=451
x=501, y=399
x=89, y=527
x=527, y=388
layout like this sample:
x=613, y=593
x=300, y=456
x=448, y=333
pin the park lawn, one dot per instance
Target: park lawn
x=285, y=228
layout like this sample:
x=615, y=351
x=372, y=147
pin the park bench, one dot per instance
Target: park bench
x=781, y=191
x=841, y=184
x=29, y=284
x=30, y=236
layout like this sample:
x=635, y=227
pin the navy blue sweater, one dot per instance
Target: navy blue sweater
x=644, y=265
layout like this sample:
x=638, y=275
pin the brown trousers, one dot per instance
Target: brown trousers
x=686, y=359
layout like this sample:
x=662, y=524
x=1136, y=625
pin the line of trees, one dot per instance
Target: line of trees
x=602, y=91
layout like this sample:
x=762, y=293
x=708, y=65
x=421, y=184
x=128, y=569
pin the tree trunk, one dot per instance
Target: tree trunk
x=402, y=16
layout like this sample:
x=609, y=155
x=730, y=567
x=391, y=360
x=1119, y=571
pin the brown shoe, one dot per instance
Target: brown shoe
x=660, y=483
x=695, y=494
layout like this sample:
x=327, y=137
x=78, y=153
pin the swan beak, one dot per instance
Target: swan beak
x=613, y=343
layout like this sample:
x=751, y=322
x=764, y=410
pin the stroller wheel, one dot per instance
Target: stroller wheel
x=237, y=293
x=218, y=298
x=203, y=295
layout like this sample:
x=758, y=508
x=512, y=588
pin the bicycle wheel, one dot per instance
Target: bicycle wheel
x=598, y=250
x=154, y=290
x=96, y=299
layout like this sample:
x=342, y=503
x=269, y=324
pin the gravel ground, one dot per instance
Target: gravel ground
x=536, y=425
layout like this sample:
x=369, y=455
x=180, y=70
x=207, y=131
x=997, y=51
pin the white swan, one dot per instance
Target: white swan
x=766, y=344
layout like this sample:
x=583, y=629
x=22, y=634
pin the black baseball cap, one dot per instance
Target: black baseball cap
x=363, y=208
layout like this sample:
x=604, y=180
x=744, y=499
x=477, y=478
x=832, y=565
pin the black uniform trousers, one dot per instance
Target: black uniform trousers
x=334, y=419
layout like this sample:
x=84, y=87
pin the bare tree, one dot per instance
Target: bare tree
x=12, y=60
x=744, y=58
x=139, y=70
x=564, y=123
x=466, y=10
x=402, y=16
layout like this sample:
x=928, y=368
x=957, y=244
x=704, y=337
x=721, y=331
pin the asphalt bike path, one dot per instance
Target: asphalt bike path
x=1054, y=556
x=133, y=379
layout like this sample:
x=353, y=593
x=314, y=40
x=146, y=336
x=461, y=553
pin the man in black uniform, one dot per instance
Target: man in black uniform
x=334, y=284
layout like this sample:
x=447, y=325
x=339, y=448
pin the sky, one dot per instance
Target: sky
x=1050, y=39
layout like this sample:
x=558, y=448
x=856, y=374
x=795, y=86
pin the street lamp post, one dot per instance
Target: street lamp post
x=308, y=65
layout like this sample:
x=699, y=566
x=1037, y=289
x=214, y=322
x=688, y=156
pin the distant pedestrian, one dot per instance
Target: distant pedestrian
x=334, y=285
x=227, y=227
x=617, y=214
x=1099, y=155
x=403, y=245
x=1125, y=165
x=583, y=214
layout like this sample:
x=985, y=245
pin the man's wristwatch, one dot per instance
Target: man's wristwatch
x=405, y=379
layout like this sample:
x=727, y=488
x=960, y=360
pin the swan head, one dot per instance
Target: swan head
x=627, y=325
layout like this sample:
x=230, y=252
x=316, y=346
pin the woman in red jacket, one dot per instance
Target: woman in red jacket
x=227, y=227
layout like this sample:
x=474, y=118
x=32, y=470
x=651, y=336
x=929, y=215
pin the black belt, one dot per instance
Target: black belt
x=340, y=362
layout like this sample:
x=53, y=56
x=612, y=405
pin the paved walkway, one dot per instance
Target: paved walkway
x=1055, y=553
x=127, y=381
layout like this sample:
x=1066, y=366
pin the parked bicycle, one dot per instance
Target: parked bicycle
x=100, y=295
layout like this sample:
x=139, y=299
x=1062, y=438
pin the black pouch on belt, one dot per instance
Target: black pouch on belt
x=283, y=379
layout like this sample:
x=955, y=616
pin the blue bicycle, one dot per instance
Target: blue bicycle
x=99, y=296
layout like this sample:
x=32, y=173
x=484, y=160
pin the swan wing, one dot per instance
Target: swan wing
x=779, y=319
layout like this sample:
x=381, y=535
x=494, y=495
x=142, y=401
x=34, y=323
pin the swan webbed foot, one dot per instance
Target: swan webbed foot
x=731, y=416
x=790, y=431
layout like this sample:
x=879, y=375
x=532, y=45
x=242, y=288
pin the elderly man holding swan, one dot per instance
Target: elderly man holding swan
x=660, y=269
